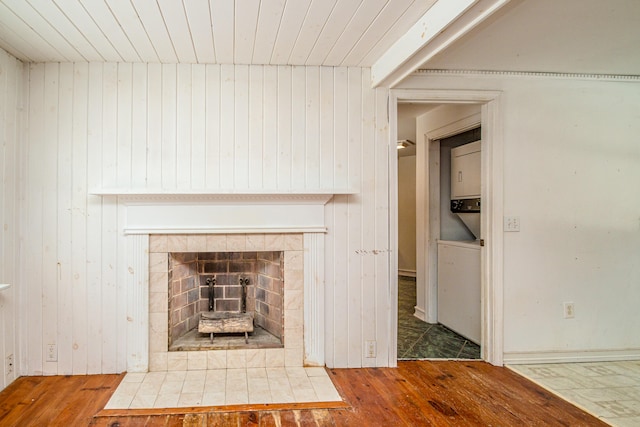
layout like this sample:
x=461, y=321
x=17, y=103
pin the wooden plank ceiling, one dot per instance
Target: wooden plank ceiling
x=278, y=32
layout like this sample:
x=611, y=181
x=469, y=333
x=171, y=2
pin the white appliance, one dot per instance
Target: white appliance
x=465, y=171
x=459, y=261
x=459, y=287
x=465, y=185
x=469, y=212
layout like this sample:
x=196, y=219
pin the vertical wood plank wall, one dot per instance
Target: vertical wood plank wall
x=11, y=88
x=175, y=127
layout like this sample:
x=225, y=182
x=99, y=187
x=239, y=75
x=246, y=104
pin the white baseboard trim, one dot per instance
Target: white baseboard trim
x=420, y=314
x=407, y=273
x=523, y=358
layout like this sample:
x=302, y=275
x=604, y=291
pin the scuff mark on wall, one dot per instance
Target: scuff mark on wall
x=372, y=251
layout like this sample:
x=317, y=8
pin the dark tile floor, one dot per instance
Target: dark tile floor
x=421, y=340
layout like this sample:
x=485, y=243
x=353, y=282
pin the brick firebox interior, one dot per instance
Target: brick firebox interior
x=191, y=272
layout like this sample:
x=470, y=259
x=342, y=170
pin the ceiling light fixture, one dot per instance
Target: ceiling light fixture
x=404, y=143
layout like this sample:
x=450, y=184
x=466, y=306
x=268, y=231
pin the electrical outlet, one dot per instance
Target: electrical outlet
x=511, y=223
x=9, y=365
x=370, y=347
x=52, y=353
x=569, y=310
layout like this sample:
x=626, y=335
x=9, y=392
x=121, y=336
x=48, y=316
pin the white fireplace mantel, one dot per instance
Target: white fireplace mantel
x=224, y=196
x=145, y=212
x=202, y=212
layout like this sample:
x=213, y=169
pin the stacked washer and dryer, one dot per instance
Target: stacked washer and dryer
x=459, y=290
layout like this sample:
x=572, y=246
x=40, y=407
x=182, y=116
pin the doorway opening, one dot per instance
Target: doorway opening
x=456, y=332
x=425, y=303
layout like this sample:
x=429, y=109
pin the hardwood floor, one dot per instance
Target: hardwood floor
x=55, y=401
x=420, y=393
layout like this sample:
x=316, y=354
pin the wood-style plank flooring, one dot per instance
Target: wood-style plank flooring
x=417, y=393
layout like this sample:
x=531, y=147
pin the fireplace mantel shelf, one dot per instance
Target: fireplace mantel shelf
x=287, y=197
x=206, y=212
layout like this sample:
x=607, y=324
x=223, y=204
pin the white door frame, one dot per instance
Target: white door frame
x=491, y=221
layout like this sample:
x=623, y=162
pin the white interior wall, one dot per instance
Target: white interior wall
x=407, y=215
x=571, y=157
x=568, y=142
x=11, y=85
x=406, y=127
x=210, y=127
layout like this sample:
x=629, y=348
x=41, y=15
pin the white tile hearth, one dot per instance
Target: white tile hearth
x=218, y=387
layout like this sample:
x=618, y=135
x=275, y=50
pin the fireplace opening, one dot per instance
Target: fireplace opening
x=225, y=300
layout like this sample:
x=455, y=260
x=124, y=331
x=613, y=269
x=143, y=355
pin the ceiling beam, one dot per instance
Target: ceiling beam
x=444, y=23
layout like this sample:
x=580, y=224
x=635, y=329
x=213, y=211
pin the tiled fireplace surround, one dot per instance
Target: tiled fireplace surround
x=160, y=245
x=156, y=223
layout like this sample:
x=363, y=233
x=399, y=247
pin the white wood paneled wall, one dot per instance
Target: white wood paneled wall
x=124, y=125
x=11, y=86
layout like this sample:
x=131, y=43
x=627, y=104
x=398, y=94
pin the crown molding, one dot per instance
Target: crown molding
x=527, y=74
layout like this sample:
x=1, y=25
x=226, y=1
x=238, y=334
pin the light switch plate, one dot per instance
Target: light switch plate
x=511, y=223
